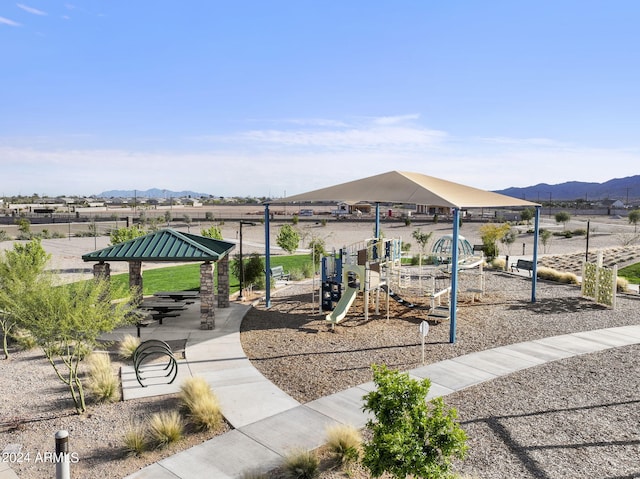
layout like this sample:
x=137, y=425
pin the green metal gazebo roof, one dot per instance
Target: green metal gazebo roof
x=164, y=245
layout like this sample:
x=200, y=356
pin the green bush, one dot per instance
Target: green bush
x=4, y=236
x=410, y=436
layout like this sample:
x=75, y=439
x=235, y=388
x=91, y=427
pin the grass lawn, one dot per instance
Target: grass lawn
x=187, y=277
x=631, y=273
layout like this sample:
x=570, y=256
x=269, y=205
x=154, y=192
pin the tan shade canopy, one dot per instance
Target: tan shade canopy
x=412, y=188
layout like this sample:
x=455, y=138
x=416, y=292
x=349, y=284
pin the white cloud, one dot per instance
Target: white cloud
x=6, y=21
x=268, y=162
x=393, y=120
x=32, y=10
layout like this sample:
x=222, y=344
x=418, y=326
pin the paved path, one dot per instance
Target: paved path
x=268, y=422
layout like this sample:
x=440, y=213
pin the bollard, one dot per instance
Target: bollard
x=62, y=455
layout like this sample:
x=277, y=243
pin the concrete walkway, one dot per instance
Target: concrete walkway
x=268, y=423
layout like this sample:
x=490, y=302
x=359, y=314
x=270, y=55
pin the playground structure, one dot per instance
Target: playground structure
x=443, y=252
x=374, y=266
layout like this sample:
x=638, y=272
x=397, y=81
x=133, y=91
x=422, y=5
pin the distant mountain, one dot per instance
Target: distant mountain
x=151, y=193
x=622, y=189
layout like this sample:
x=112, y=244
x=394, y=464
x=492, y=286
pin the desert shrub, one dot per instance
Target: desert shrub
x=498, y=263
x=564, y=234
x=200, y=404
x=307, y=270
x=301, y=464
x=128, y=346
x=553, y=275
x=4, y=236
x=254, y=475
x=323, y=222
x=295, y=219
x=415, y=260
x=103, y=384
x=24, y=339
x=621, y=284
x=579, y=232
x=345, y=442
x=296, y=274
x=135, y=439
x=165, y=428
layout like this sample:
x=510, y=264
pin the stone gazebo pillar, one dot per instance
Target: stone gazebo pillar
x=102, y=270
x=207, y=298
x=135, y=280
x=223, y=282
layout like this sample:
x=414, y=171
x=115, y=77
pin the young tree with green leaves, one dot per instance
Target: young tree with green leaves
x=19, y=270
x=212, y=232
x=410, y=436
x=423, y=240
x=288, y=238
x=509, y=238
x=562, y=217
x=66, y=322
x=490, y=235
x=120, y=235
x=527, y=215
x=545, y=238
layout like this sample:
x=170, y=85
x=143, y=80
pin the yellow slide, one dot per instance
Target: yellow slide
x=343, y=305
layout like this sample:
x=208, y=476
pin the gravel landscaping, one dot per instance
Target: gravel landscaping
x=572, y=418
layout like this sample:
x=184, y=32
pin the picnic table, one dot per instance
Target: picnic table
x=188, y=296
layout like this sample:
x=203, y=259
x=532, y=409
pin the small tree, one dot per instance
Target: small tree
x=490, y=234
x=288, y=239
x=410, y=436
x=634, y=217
x=167, y=217
x=120, y=235
x=317, y=247
x=24, y=227
x=212, y=232
x=545, y=237
x=509, y=238
x=19, y=270
x=527, y=215
x=66, y=322
x=423, y=240
x=562, y=217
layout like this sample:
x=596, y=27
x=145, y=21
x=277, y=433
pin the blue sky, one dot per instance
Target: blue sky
x=272, y=98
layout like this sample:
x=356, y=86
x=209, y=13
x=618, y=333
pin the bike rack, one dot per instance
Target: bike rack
x=155, y=349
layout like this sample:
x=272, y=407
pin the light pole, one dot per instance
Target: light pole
x=248, y=223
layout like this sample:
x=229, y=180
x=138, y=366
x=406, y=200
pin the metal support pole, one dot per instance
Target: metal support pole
x=267, y=257
x=62, y=455
x=377, y=220
x=240, y=296
x=453, y=307
x=536, y=237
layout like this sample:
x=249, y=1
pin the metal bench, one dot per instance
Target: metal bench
x=277, y=273
x=523, y=264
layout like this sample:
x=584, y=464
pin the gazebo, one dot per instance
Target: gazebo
x=173, y=246
x=419, y=189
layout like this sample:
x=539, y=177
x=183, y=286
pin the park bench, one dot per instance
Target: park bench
x=523, y=264
x=278, y=274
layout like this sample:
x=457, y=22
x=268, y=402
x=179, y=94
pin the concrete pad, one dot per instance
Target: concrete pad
x=438, y=390
x=6, y=472
x=244, y=404
x=156, y=384
x=298, y=428
x=508, y=350
x=153, y=471
x=542, y=351
x=609, y=338
x=571, y=343
x=235, y=376
x=225, y=456
x=344, y=406
x=453, y=375
x=631, y=330
x=495, y=362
